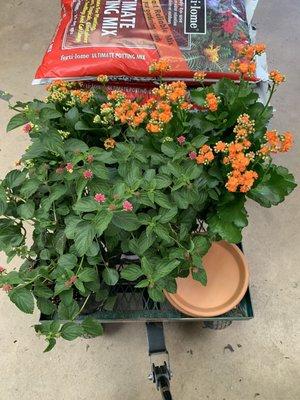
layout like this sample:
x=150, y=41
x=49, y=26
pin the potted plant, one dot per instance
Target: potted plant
x=105, y=176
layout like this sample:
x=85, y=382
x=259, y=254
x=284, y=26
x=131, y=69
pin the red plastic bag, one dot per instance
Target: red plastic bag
x=120, y=38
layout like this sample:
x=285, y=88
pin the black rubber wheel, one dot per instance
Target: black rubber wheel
x=217, y=325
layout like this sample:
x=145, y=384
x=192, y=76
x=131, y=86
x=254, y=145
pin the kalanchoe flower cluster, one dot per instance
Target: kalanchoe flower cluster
x=199, y=76
x=277, y=77
x=102, y=79
x=211, y=102
x=275, y=143
x=245, y=64
x=205, y=155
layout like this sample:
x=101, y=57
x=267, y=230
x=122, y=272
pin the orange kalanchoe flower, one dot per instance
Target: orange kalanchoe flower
x=245, y=68
x=287, y=141
x=153, y=127
x=110, y=143
x=211, y=101
x=205, y=156
x=81, y=95
x=159, y=67
x=199, y=76
x=220, y=146
x=277, y=77
x=102, y=79
x=116, y=95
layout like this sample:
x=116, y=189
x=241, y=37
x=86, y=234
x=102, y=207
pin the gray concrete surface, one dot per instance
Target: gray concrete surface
x=265, y=362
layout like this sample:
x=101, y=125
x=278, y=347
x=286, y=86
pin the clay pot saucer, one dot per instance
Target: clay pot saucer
x=227, y=282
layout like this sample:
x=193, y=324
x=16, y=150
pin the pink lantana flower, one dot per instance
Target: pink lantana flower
x=27, y=127
x=90, y=158
x=181, y=140
x=127, y=206
x=192, y=155
x=7, y=287
x=100, y=197
x=2, y=269
x=71, y=281
x=69, y=167
x=87, y=174
x=59, y=170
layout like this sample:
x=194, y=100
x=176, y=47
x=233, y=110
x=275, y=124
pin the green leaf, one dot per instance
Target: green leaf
x=234, y=212
x=110, y=276
x=200, y=275
x=14, y=178
x=71, y=331
x=163, y=233
x=45, y=254
x=51, y=345
x=102, y=220
x=29, y=187
x=23, y=299
x=92, y=327
x=49, y=113
x=226, y=230
x=163, y=200
x=166, y=216
x=59, y=241
x=26, y=210
x=42, y=291
x=45, y=306
x=53, y=142
x=88, y=275
x=164, y=268
x=276, y=184
x=99, y=170
x=85, y=233
x=16, y=121
x=68, y=312
x=67, y=261
x=142, y=284
x=147, y=267
x=131, y=272
x=201, y=245
x=169, y=148
x=75, y=145
x=156, y=294
x=86, y=204
x=56, y=192
x=126, y=220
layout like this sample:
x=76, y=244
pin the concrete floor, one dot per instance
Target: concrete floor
x=265, y=362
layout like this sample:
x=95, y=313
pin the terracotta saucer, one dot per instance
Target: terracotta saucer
x=227, y=282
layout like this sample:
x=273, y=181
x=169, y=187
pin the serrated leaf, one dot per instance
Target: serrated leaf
x=156, y=294
x=102, y=220
x=131, y=272
x=274, y=187
x=126, y=220
x=200, y=275
x=67, y=261
x=49, y=113
x=23, y=299
x=163, y=200
x=45, y=306
x=16, y=121
x=92, y=327
x=110, y=276
x=71, y=331
x=26, y=210
x=226, y=230
x=86, y=204
x=164, y=268
x=85, y=233
x=51, y=345
x=29, y=187
x=88, y=275
x=68, y=312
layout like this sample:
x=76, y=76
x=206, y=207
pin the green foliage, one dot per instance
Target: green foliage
x=143, y=197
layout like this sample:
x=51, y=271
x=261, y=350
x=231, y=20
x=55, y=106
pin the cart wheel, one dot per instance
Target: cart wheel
x=217, y=325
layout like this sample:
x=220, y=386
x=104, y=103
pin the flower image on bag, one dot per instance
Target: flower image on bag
x=121, y=38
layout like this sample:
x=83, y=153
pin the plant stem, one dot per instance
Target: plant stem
x=84, y=304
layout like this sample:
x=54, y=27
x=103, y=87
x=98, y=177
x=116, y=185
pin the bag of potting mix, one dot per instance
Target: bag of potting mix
x=120, y=38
